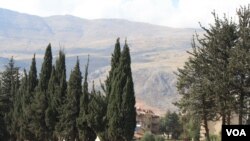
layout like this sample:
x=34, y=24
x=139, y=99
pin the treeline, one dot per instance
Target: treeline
x=50, y=108
x=215, y=81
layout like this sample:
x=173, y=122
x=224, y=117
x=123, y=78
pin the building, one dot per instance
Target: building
x=146, y=121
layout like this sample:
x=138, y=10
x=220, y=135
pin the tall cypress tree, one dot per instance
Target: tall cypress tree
x=61, y=89
x=86, y=133
x=32, y=78
x=128, y=96
x=40, y=101
x=51, y=113
x=113, y=94
x=114, y=64
x=68, y=126
x=27, y=99
x=18, y=121
x=121, y=107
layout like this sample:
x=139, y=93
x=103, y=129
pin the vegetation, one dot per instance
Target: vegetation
x=214, y=81
x=51, y=108
x=170, y=124
x=151, y=137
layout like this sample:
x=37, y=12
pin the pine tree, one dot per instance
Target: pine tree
x=239, y=65
x=198, y=97
x=68, y=126
x=40, y=103
x=10, y=85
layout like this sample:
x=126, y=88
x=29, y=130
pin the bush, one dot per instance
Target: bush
x=214, y=138
x=159, y=138
x=148, y=137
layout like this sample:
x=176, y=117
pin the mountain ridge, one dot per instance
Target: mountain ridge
x=156, y=51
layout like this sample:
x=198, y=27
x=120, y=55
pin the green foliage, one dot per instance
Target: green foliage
x=191, y=126
x=68, y=125
x=40, y=102
x=97, y=117
x=171, y=125
x=215, y=138
x=86, y=133
x=62, y=110
x=27, y=99
x=121, y=112
x=213, y=80
x=148, y=137
x=159, y=138
x=9, y=87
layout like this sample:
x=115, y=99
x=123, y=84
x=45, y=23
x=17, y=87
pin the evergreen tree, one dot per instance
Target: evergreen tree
x=128, y=96
x=40, y=103
x=114, y=64
x=32, y=78
x=27, y=99
x=86, y=133
x=239, y=65
x=197, y=97
x=115, y=60
x=218, y=43
x=60, y=89
x=18, y=111
x=68, y=126
x=10, y=85
x=96, y=118
x=50, y=113
x=121, y=107
x=2, y=124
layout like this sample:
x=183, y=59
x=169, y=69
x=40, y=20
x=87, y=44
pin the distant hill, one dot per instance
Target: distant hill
x=156, y=51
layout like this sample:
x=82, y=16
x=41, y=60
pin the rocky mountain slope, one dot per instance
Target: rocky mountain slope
x=156, y=51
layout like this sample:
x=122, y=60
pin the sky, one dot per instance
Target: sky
x=173, y=13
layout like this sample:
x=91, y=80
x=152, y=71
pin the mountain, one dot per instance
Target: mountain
x=156, y=51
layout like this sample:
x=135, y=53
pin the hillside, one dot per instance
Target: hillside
x=156, y=51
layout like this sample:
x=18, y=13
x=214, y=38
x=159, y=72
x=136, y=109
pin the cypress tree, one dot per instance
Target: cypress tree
x=41, y=99
x=2, y=124
x=60, y=89
x=86, y=133
x=128, y=96
x=46, y=70
x=50, y=113
x=68, y=126
x=114, y=64
x=27, y=99
x=18, y=121
x=96, y=117
x=121, y=107
x=32, y=78
x=115, y=60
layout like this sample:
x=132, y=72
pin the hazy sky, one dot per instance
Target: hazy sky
x=174, y=13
